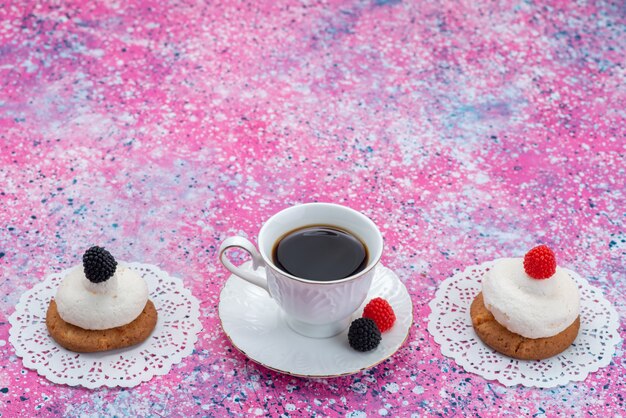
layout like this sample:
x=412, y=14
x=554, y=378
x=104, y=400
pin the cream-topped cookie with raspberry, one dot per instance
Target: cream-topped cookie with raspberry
x=529, y=307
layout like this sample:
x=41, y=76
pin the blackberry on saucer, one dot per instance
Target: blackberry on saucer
x=364, y=335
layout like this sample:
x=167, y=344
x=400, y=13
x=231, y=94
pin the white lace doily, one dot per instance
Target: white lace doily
x=172, y=339
x=451, y=326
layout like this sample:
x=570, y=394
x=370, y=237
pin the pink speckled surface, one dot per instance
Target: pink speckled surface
x=468, y=131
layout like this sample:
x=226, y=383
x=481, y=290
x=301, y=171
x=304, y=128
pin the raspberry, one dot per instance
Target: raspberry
x=364, y=335
x=540, y=262
x=99, y=264
x=379, y=310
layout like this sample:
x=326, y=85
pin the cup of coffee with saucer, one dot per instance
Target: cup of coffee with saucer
x=316, y=261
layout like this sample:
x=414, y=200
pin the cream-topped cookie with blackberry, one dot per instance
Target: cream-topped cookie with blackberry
x=100, y=305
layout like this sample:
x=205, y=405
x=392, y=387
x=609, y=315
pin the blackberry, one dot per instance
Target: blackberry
x=363, y=334
x=99, y=264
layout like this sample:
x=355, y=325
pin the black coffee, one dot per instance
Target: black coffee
x=321, y=253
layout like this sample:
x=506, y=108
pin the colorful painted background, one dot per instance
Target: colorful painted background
x=466, y=130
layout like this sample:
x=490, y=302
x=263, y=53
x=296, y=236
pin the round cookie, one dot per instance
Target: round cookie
x=514, y=345
x=88, y=341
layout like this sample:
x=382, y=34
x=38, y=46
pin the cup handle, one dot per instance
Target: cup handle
x=257, y=261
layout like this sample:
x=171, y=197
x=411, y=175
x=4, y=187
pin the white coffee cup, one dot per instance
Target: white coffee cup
x=317, y=309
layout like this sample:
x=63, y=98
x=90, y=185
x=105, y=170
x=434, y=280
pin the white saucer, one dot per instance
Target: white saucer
x=256, y=326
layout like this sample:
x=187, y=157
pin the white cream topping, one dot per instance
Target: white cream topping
x=113, y=303
x=529, y=307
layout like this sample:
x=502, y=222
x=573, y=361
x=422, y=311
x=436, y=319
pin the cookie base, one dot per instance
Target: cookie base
x=496, y=336
x=89, y=341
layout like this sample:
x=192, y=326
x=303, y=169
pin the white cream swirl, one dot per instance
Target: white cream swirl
x=113, y=303
x=529, y=307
